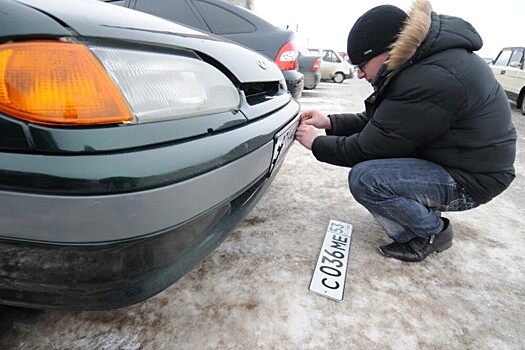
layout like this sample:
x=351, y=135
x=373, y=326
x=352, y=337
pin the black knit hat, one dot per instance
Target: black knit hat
x=374, y=32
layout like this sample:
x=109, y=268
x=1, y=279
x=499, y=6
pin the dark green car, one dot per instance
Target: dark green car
x=130, y=147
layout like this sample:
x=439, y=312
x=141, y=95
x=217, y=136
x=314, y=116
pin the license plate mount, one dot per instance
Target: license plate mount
x=282, y=142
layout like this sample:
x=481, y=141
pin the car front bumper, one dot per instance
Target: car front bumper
x=105, y=251
x=112, y=275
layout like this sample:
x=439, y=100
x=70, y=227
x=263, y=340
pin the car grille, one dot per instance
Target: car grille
x=261, y=91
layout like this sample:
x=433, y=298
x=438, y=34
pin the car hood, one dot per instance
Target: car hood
x=95, y=19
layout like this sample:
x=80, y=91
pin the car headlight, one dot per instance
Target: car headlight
x=160, y=86
x=64, y=83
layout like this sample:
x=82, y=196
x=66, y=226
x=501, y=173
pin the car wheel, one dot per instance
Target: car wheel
x=338, y=77
x=523, y=106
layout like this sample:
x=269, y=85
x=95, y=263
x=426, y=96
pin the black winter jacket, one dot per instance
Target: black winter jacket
x=437, y=101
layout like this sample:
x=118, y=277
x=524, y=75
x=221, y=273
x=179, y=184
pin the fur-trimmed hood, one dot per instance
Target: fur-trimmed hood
x=425, y=33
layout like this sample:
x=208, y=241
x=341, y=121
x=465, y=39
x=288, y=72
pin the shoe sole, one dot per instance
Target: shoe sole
x=437, y=250
x=443, y=248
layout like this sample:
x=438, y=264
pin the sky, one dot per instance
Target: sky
x=326, y=23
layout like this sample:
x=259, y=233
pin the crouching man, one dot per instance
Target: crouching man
x=437, y=133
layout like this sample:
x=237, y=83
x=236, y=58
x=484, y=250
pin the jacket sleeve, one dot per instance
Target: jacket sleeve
x=347, y=124
x=400, y=125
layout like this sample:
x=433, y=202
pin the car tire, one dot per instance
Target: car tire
x=338, y=77
x=523, y=106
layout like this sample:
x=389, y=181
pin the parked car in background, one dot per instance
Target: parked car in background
x=309, y=66
x=130, y=147
x=333, y=66
x=509, y=71
x=234, y=23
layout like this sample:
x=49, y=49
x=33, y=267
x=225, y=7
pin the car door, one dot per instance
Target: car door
x=508, y=69
x=515, y=73
x=330, y=64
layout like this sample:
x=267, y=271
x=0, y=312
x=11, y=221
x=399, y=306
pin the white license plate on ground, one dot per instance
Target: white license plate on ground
x=330, y=271
x=283, y=141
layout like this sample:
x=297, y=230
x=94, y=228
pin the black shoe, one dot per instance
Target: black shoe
x=419, y=248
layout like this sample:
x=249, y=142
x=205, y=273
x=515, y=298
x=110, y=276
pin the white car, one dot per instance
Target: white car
x=508, y=69
x=333, y=66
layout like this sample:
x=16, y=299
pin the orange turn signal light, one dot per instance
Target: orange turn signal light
x=58, y=83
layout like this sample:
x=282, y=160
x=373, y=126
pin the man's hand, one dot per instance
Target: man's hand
x=306, y=135
x=316, y=118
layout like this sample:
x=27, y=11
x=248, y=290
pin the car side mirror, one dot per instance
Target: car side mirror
x=516, y=64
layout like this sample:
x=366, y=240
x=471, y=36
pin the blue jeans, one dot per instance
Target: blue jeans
x=406, y=196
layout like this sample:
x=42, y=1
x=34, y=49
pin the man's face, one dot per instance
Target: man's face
x=368, y=70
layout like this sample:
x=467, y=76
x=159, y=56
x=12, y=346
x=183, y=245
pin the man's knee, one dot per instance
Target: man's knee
x=359, y=178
